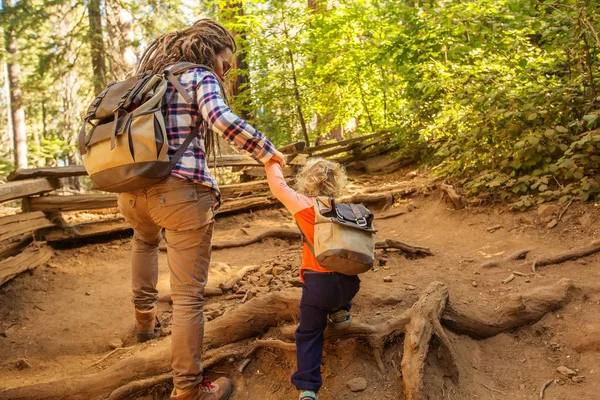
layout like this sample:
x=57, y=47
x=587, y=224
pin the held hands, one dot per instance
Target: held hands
x=279, y=158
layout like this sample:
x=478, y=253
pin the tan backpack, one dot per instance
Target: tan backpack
x=123, y=140
x=344, y=236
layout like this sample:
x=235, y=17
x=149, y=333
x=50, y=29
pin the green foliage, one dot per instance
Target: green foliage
x=500, y=94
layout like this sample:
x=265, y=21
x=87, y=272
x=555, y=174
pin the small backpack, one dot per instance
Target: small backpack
x=123, y=140
x=344, y=236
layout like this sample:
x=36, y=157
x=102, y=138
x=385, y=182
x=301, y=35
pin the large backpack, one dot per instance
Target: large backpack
x=344, y=238
x=123, y=140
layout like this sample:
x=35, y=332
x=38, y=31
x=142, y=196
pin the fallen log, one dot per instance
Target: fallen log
x=72, y=203
x=383, y=198
x=293, y=148
x=246, y=203
x=17, y=190
x=259, y=172
x=246, y=187
x=14, y=245
x=230, y=160
x=100, y=201
x=47, y=172
x=517, y=255
x=574, y=254
x=315, y=149
x=18, y=224
x=337, y=150
x=84, y=230
x=360, y=156
x=32, y=257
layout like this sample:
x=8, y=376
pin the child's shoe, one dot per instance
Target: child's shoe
x=340, y=319
x=308, y=395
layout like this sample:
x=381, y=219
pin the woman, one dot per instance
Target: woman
x=185, y=203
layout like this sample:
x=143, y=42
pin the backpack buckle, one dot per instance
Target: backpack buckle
x=362, y=222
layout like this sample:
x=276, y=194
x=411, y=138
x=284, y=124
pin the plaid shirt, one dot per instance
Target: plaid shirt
x=211, y=108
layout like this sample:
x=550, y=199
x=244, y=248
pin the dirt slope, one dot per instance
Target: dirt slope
x=61, y=318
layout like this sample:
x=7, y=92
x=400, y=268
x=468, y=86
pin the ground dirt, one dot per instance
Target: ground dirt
x=58, y=320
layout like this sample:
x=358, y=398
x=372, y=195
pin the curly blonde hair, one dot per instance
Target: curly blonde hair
x=320, y=177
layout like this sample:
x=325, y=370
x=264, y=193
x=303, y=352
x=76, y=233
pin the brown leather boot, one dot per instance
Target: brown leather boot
x=207, y=390
x=145, y=321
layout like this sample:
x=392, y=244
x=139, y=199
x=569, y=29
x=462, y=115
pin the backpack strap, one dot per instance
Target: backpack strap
x=175, y=82
x=184, y=145
x=360, y=219
x=172, y=71
x=304, y=240
x=324, y=204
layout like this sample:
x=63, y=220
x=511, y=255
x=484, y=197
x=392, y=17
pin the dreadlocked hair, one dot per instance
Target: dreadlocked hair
x=198, y=44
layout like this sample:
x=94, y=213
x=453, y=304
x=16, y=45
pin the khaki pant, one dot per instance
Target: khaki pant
x=186, y=211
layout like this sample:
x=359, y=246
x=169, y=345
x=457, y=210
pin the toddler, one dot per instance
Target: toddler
x=326, y=295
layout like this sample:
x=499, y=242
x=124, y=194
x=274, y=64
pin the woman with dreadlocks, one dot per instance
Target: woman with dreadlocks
x=185, y=203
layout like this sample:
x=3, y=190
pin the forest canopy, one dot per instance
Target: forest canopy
x=499, y=95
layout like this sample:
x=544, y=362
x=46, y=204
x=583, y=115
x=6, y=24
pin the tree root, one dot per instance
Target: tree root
x=134, y=387
x=281, y=233
x=544, y=387
x=452, y=195
x=516, y=310
x=405, y=247
x=574, y=254
x=224, y=336
x=238, y=276
x=517, y=255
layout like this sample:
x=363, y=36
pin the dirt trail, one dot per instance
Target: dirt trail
x=61, y=318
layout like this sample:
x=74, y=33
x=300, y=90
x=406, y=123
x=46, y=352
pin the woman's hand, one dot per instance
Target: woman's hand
x=279, y=158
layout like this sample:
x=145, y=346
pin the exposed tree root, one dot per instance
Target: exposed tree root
x=568, y=255
x=514, y=311
x=405, y=247
x=238, y=276
x=281, y=233
x=394, y=212
x=137, y=386
x=452, y=195
x=248, y=320
x=544, y=387
x=517, y=255
x=419, y=324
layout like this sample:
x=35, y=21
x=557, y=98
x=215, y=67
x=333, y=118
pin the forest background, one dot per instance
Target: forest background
x=502, y=96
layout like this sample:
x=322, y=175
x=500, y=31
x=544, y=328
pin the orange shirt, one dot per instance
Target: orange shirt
x=301, y=208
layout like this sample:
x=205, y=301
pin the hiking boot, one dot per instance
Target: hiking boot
x=308, y=395
x=340, y=319
x=207, y=390
x=145, y=322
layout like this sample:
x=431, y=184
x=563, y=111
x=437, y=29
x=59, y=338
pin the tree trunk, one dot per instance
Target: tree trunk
x=17, y=111
x=121, y=56
x=97, y=45
x=9, y=136
x=296, y=90
x=238, y=85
